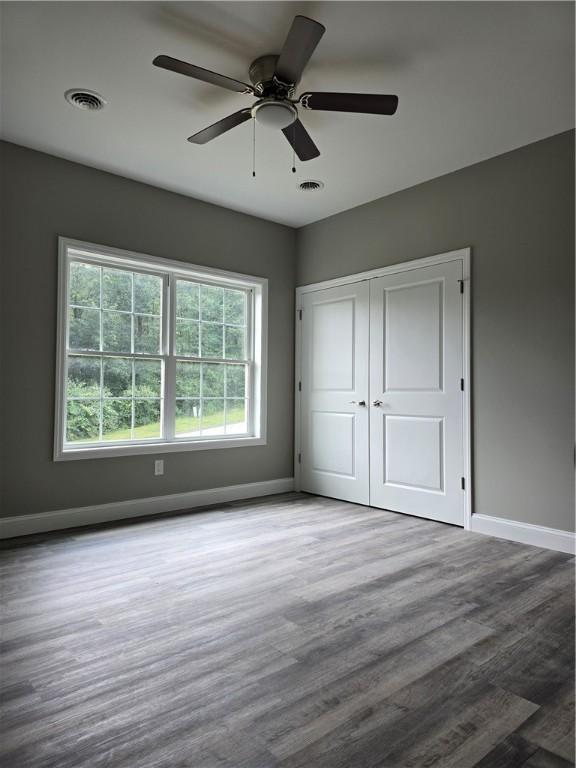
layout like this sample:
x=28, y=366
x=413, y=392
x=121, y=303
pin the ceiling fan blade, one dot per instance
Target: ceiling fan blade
x=300, y=140
x=367, y=103
x=300, y=44
x=206, y=75
x=217, y=129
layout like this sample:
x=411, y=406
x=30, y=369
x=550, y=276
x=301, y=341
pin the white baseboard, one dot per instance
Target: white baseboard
x=525, y=533
x=42, y=522
x=24, y=525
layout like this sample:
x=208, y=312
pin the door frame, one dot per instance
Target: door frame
x=464, y=256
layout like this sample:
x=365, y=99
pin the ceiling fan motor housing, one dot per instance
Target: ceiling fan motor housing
x=273, y=109
x=262, y=76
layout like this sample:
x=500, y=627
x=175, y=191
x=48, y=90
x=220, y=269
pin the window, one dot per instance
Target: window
x=155, y=355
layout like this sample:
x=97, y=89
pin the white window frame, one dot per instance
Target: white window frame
x=257, y=287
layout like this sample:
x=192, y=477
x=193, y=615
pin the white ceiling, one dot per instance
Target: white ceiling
x=474, y=79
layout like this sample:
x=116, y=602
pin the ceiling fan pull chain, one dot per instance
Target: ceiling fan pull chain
x=293, y=147
x=253, y=147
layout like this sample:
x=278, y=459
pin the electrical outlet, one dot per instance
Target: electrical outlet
x=159, y=467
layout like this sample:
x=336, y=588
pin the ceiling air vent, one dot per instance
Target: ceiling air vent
x=89, y=100
x=310, y=185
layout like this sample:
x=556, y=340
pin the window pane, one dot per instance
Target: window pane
x=187, y=338
x=212, y=380
x=212, y=417
x=117, y=377
x=117, y=331
x=236, y=417
x=235, y=307
x=146, y=419
x=146, y=334
x=84, y=285
x=187, y=300
x=212, y=303
x=83, y=421
x=84, y=330
x=187, y=418
x=147, y=294
x=117, y=290
x=147, y=378
x=235, y=348
x=235, y=381
x=187, y=379
x=83, y=377
x=115, y=382
x=212, y=340
x=117, y=420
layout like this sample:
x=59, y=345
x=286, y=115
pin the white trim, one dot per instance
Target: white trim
x=61, y=374
x=467, y=397
x=106, y=254
x=257, y=289
x=525, y=533
x=177, y=446
x=297, y=395
x=427, y=261
x=122, y=510
x=463, y=255
x=258, y=401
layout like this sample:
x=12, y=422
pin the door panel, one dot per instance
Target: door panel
x=332, y=443
x=413, y=344
x=414, y=451
x=416, y=437
x=333, y=365
x=334, y=428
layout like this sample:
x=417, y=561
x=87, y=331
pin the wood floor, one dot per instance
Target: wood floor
x=291, y=632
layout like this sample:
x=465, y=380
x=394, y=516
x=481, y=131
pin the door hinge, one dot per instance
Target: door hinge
x=461, y=284
x=463, y=483
x=299, y=314
x=299, y=386
x=299, y=458
x=462, y=384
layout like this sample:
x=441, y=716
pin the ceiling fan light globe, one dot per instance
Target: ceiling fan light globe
x=274, y=114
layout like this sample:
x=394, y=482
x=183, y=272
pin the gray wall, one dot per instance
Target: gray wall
x=517, y=213
x=44, y=197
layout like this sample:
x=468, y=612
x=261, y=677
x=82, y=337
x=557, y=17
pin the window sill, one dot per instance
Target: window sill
x=105, y=452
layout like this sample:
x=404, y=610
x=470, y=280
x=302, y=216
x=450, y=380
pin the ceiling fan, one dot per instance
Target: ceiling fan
x=274, y=80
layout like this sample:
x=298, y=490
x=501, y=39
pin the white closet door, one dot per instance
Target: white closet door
x=416, y=435
x=335, y=411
